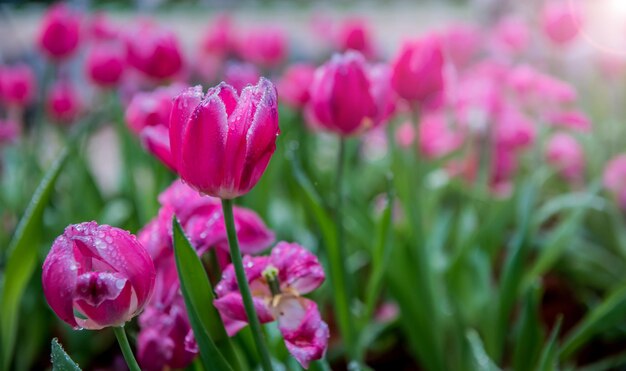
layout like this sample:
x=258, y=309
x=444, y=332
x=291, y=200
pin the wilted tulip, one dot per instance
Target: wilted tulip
x=293, y=87
x=105, y=64
x=561, y=21
x=97, y=276
x=63, y=102
x=418, y=72
x=279, y=281
x=59, y=33
x=154, y=51
x=222, y=142
x=342, y=99
x=565, y=154
x=17, y=85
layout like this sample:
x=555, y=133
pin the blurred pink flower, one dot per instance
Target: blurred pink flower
x=240, y=75
x=101, y=28
x=222, y=142
x=277, y=283
x=265, y=47
x=63, y=102
x=575, y=120
x=461, y=44
x=105, y=63
x=354, y=34
x=147, y=109
x=615, y=178
x=513, y=129
x=59, y=32
x=218, y=40
x=561, y=21
x=418, y=72
x=405, y=134
x=154, y=51
x=17, y=85
x=437, y=137
x=511, y=37
x=293, y=87
x=9, y=131
x=565, y=154
x=97, y=276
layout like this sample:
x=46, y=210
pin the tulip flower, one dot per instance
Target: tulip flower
x=59, y=33
x=240, y=75
x=512, y=129
x=293, y=87
x=101, y=29
x=614, y=178
x=266, y=47
x=437, y=137
x=342, y=99
x=418, y=72
x=565, y=154
x=461, y=44
x=575, y=120
x=63, y=102
x=97, y=276
x=279, y=280
x=149, y=109
x=218, y=39
x=9, y=131
x=354, y=35
x=154, y=51
x=17, y=85
x=105, y=64
x=561, y=21
x=221, y=142
x=511, y=37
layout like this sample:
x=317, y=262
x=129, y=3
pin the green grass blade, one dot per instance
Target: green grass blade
x=60, y=360
x=529, y=338
x=482, y=362
x=22, y=258
x=548, y=360
x=198, y=294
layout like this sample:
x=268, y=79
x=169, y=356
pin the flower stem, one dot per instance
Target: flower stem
x=120, y=334
x=242, y=281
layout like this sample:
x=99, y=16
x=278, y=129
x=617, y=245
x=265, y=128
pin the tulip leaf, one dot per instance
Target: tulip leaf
x=548, y=359
x=213, y=342
x=481, y=359
x=529, y=338
x=22, y=258
x=60, y=360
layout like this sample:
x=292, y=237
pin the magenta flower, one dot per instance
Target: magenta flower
x=63, y=102
x=17, y=85
x=614, y=178
x=9, y=131
x=266, y=46
x=59, y=33
x=461, y=43
x=418, y=72
x=97, y=276
x=218, y=38
x=566, y=155
x=293, y=87
x=240, y=75
x=277, y=283
x=511, y=37
x=354, y=35
x=561, y=21
x=165, y=336
x=148, y=109
x=342, y=99
x=222, y=142
x=154, y=51
x=512, y=129
x=575, y=120
x=105, y=64
x=437, y=137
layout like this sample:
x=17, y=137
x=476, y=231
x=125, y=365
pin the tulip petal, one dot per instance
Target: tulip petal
x=157, y=141
x=231, y=306
x=297, y=267
x=113, y=311
x=59, y=277
x=182, y=109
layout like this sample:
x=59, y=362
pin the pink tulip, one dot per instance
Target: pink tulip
x=342, y=99
x=59, y=32
x=513, y=130
x=9, y=131
x=615, y=178
x=266, y=47
x=97, y=276
x=380, y=86
x=561, y=21
x=293, y=87
x=102, y=29
x=165, y=337
x=461, y=44
x=218, y=39
x=17, y=85
x=278, y=282
x=105, y=64
x=222, y=142
x=355, y=35
x=538, y=91
x=405, y=134
x=154, y=51
x=575, y=120
x=63, y=102
x=565, y=154
x=437, y=137
x=149, y=109
x=511, y=37
x=240, y=75
x=418, y=72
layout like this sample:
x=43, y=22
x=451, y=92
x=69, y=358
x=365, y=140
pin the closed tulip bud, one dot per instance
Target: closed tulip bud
x=97, y=276
x=17, y=85
x=221, y=143
x=154, y=52
x=105, y=64
x=354, y=35
x=418, y=72
x=561, y=21
x=63, y=102
x=341, y=95
x=266, y=47
x=59, y=33
x=294, y=85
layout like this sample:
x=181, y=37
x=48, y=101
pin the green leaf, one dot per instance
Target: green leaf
x=481, y=360
x=606, y=315
x=22, y=257
x=198, y=294
x=529, y=338
x=60, y=360
x=548, y=360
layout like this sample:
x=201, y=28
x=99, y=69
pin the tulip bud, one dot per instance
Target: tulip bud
x=266, y=47
x=354, y=35
x=97, y=276
x=63, y=102
x=294, y=85
x=561, y=21
x=154, y=51
x=221, y=143
x=17, y=85
x=341, y=95
x=59, y=32
x=565, y=154
x=105, y=64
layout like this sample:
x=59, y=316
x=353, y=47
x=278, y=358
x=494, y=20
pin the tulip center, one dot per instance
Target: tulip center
x=271, y=276
x=96, y=287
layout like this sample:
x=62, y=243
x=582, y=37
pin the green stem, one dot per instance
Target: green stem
x=242, y=281
x=120, y=334
x=337, y=261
